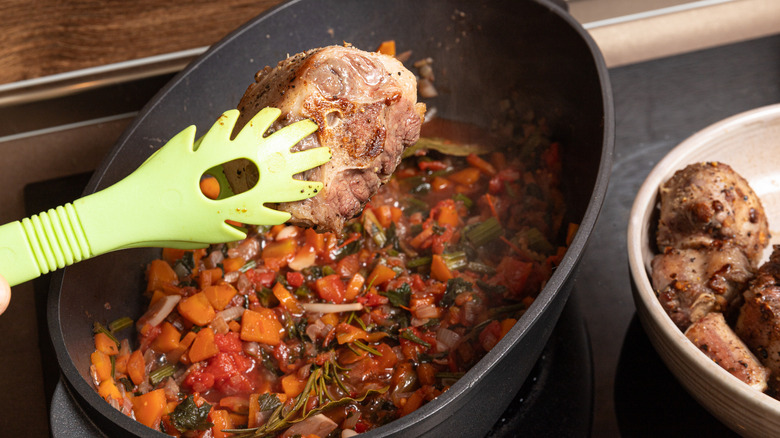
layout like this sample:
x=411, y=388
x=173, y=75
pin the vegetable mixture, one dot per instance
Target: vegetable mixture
x=296, y=333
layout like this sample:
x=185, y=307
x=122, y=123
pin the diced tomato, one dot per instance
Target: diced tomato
x=490, y=335
x=331, y=288
x=284, y=358
x=229, y=342
x=199, y=381
x=230, y=371
x=514, y=274
x=295, y=279
x=372, y=299
x=348, y=266
x=261, y=278
x=431, y=165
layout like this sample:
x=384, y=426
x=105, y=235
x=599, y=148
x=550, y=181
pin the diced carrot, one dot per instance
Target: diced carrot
x=102, y=364
x=448, y=214
x=418, y=240
x=507, y=325
x=261, y=325
x=222, y=421
x=347, y=333
x=439, y=269
x=207, y=277
x=168, y=339
x=395, y=214
x=285, y=298
x=136, y=367
x=149, y=407
x=234, y=326
x=571, y=231
x=380, y=275
x=440, y=184
x=175, y=355
x=383, y=215
x=426, y=374
x=467, y=176
x=197, y=309
x=159, y=273
x=330, y=318
x=354, y=286
x=172, y=255
x=280, y=249
x=292, y=385
x=233, y=264
x=388, y=359
x=220, y=295
x=210, y=187
x=387, y=48
x=235, y=403
x=412, y=403
x=105, y=344
x=203, y=347
x=315, y=240
x=108, y=389
x=120, y=363
x=483, y=166
x=498, y=159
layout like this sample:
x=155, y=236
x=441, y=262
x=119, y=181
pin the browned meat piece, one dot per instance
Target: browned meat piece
x=759, y=321
x=706, y=202
x=694, y=282
x=365, y=105
x=715, y=338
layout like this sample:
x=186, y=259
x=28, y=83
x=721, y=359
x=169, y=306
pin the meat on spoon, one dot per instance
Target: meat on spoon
x=365, y=106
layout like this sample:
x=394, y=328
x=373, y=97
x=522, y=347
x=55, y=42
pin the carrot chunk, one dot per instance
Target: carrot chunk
x=219, y=295
x=261, y=325
x=168, y=339
x=197, y=309
x=439, y=269
x=380, y=275
x=292, y=385
x=150, y=407
x=285, y=297
x=136, y=367
x=105, y=344
x=159, y=274
x=203, y=347
x=102, y=364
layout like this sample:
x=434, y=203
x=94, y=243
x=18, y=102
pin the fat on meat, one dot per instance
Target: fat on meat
x=691, y=283
x=759, y=320
x=365, y=106
x=706, y=202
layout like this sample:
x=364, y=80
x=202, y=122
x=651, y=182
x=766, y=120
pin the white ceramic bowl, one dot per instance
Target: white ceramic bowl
x=750, y=143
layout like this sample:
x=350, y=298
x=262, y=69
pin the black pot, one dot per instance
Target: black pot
x=482, y=51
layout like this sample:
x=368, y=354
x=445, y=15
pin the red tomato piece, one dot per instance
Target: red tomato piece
x=295, y=279
x=199, y=381
x=229, y=342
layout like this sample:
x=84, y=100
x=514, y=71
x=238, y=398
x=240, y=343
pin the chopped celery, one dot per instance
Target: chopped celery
x=485, y=232
x=455, y=260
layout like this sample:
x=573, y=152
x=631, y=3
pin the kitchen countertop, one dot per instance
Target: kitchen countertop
x=658, y=103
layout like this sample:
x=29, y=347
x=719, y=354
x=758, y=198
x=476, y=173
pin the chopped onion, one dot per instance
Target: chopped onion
x=417, y=322
x=244, y=284
x=426, y=89
x=252, y=349
x=347, y=433
x=446, y=339
x=287, y=232
x=214, y=259
x=219, y=325
x=231, y=313
x=231, y=277
x=427, y=311
x=158, y=311
x=318, y=425
x=302, y=260
x=331, y=308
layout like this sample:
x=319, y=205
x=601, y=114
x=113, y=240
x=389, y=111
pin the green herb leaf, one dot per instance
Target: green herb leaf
x=455, y=287
x=188, y=416
x=410, y=336
x=446, y=147
x=268, y=401
x=400, y=296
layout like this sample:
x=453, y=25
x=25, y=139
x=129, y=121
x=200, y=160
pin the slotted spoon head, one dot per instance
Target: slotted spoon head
x=161, y=203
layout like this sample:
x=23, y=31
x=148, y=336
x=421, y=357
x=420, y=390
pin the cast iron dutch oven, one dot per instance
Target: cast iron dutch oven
x=482, y=51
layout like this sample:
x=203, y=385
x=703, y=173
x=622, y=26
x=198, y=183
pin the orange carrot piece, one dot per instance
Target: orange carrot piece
x=448, y=215
x=330, y=318
x=571, y=231
x=506, y=325
x=168, y=339
x=108, y=389
x=203, y=347
x=412, y=403
x=207, y=277
x=150, y=407
x=120, y=363
x=105, y=344
x=102, y=364
x=440, y=184
x=292, y=385
x=426, y=373
x=467, y=176
x=347, y=333
x=383, y=215
x=285, y=298
x=233, y=264
x=235, y=404
x=439, y=269
x=222, y=421
x=172, y=255
x=353, y=287
x=380, y=275
x=136, y=367
x=261, y=325
x=210, y=187
x=156, y=295
x=176, y=354
x=197, y=309
x=220, y=295
x=387, y=48
x=483, y=166
x=158, y=274
x=234, y=326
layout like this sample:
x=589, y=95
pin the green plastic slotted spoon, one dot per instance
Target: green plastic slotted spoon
x=160, y=204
